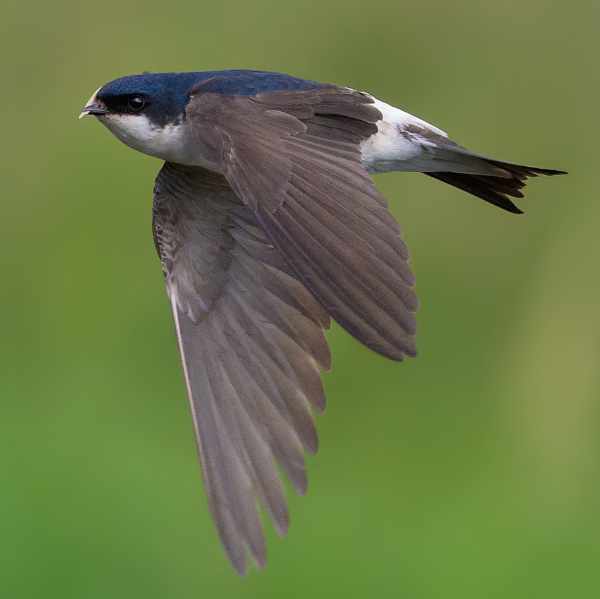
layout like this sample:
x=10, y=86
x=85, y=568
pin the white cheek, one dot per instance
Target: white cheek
x=133, y=130
x=136, y=131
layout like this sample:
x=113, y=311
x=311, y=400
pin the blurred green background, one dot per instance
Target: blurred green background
x=470, y=472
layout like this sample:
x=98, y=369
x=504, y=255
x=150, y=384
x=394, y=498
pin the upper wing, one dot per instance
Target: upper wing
x=294, y=158
x=252, y=346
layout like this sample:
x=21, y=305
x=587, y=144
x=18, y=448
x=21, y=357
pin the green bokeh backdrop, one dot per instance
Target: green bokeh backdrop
x=470, y=472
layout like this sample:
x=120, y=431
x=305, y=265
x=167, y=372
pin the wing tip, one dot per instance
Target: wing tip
x=238, y=561
x=394, y=350
x=282, y=526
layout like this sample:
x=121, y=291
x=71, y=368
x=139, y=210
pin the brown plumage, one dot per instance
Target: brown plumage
x=496, y=190
x=256, y=261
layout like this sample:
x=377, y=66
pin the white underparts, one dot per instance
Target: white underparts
x=137, y=131
x=397, y=146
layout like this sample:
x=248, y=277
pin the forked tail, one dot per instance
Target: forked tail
x=496, y=190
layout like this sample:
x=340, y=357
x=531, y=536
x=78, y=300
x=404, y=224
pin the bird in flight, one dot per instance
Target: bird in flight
x=267, y=225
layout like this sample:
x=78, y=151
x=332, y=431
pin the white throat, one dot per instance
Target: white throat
x=138, y=132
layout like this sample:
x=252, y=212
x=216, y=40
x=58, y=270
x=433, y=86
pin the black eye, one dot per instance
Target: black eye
x=135, y=103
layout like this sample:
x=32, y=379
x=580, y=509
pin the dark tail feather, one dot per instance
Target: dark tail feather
x=496, y=190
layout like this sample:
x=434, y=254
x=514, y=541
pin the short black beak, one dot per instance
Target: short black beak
x=94, y=109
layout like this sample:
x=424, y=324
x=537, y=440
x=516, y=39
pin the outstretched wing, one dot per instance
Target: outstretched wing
x=294, y=159
x=252, y=345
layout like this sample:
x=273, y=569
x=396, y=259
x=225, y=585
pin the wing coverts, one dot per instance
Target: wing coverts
x=256, y=261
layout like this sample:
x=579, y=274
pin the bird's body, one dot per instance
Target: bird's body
x=267, y=225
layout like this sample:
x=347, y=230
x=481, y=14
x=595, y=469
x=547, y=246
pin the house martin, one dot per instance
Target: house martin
x=267, y=225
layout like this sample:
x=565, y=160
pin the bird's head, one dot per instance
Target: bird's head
x=145, y=111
